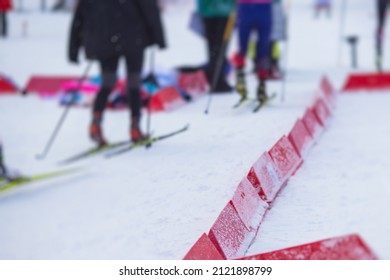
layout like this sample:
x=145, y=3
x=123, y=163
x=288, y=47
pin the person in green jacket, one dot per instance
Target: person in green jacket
x=215, y=15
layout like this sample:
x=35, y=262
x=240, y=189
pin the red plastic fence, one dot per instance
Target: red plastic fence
x=312, y=124
x=300, y=138
x=349, y=247
x=328, y=92
x=265, y=178
x=6, y=86
x=367, y=81
x=230, y=235
x=237, y=225
x=286, y=159
x=203, y=249
x=195, y=83
x=322, y=111
x=167, y=99
x=47, y=84
x=248, y=204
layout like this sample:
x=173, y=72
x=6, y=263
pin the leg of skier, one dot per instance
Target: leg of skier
x=133, y=83
x=3, y=170
x=109, y=79
x=263, y=27
x=244, y=29
x=3, y=24
x=214, y=31
x=381, y=16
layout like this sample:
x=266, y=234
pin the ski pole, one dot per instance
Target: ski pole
x=63, y=116
x=153, y=80
x=286, y=51
x=284, y=79
x=221, y=57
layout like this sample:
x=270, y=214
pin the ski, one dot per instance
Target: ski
x=146, y=143
x=94, y=151
x=6, y=184
x=261, y=104
x=240, y=102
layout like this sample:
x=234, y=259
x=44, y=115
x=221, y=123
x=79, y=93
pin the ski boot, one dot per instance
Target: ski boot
x=95, y=130
x=262, y=92
x=136, y=134
x=241, y=83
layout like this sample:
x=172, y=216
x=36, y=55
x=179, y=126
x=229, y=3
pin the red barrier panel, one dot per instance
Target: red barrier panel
x=367, y=81
x=203, y=249
x=312, y=124
x=321, y=111
x=229, y=234
x=328, y=91
x=194, y=83
x=286, y=159
x=6, y=86
x=349, y=247
x=167, y=99
x=248, y=204
x=265, y=178
x=47, y=84
x=300, y=138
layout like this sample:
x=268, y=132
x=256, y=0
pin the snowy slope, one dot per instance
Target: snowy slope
x=155, y=204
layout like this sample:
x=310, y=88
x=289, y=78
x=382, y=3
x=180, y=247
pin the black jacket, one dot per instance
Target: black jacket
x=107, y=28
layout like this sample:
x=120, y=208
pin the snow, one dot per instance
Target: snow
x=154, y=204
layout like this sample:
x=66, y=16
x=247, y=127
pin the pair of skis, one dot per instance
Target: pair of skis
x=8, y=184
x=259, y=104
x=117, y=148
x=113, y=149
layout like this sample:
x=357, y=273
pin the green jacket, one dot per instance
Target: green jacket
x=215, y=8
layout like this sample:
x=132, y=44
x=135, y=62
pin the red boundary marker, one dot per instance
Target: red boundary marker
x=367, y=81
x=6, y=86
x=237, y=225
x=300, y=138
x=229, y=234
x=286, y=159
x=322, y=111
x=312, y=124
x=167, y=99
x=203, y=249
x=265, y=178
x=248, y=204
x=47, y=84
x=349, y=247
x=194, y=83
x=328, y=91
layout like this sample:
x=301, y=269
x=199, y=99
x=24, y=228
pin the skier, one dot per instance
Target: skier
x=254, y=15
x=322, y=5
x=108, y=31
x=3, y=170
x=215, y=14
x=5, y=7
x=7, y=174
x=382, y=7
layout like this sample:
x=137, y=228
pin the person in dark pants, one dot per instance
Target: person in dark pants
x=215, y=15
x=3, y=170
x=382, y=7
x=254, y=16
x=7, y=174
x=5, y=7
x=109, y=31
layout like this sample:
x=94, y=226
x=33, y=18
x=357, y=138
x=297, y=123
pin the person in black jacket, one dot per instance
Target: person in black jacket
x=382, y=7
x=109, y=30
